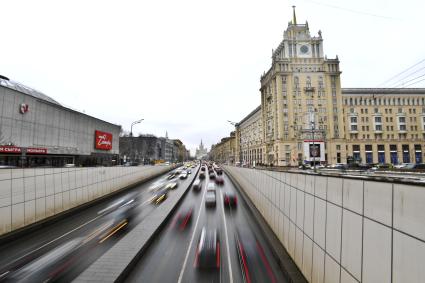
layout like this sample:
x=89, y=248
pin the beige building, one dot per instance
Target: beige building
x=385, y=125
x=301, y=101
x=225, y=151
x=250, y=134
x=305, y=116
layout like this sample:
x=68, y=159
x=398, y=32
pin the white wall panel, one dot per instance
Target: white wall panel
x=351, y=255
x=409, y=259
x=409, y=212
x=332, y=270
x=334, y=193
x=376, y=252
x=353, y=195
x=378, y=201
x=318, y=271
x=319, y=222
x=333, y=230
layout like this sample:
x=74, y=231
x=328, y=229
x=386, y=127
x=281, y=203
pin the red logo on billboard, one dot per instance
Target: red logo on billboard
x=10, y=149
x=103, y=140
x=23, y=108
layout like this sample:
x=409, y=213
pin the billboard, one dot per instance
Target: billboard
x=103, y=140
x=314, y=150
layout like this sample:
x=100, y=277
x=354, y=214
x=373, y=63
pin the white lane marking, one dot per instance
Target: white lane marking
x=193, y=237
x=227, y=238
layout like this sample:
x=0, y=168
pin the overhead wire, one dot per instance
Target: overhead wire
x=404, y=71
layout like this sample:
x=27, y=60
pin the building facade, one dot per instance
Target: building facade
x=251, y=138
x=306, y=117
x=201, y=152
x=301, y=101
x=385, y=125
x=225, y=151
x=36, y=130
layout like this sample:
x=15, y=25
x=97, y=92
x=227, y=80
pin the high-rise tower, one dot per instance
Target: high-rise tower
x=301, y=101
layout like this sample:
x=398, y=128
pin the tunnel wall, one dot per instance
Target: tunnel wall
x=31, y=195
x=340, y=229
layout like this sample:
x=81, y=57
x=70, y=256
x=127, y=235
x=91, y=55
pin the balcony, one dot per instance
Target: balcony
x=309, y=89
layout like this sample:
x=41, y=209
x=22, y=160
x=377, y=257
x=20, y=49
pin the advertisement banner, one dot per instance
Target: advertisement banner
x=10, y=149
x=34, y=150
x=103, y=140
x=314, y=150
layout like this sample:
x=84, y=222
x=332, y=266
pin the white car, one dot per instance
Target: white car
x=211, y=187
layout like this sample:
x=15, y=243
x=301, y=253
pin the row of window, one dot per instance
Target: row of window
x=384, y=101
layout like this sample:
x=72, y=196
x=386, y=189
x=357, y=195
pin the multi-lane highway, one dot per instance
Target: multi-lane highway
x=171, y=257
x=21, y=250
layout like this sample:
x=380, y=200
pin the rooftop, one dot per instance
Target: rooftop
x=6, y=82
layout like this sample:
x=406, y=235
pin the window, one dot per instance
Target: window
x=378, y=127
x=402, y=127
x=378, y=119
x=338, y=147
x=353, y=119
x=354, y=127
x=402, y=119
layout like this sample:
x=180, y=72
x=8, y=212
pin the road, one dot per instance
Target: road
x=170, y=258
x=79, y=224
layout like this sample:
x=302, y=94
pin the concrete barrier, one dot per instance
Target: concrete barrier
x=340, y=229
x=31, y=195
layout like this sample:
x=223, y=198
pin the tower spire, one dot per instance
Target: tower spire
x=294, y=17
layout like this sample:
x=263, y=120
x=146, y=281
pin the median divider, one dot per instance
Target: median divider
x=115, y=264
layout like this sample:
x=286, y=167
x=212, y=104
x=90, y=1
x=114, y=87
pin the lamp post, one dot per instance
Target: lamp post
x=134, y=123
x=131, y=136
x=240, y=140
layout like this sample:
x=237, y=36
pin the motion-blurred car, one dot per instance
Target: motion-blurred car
x=189, y=172
x=159, y=196
x=252, y=260
x=183, y=175
x=49, y=266
x=210, y=199
x=203, y=168
x=202, y=175
x=219, y=171
x=211, y=186
x=197, y=185
x=183, y=218
x=219, y=180
x=123, y=208
x=171, y=186
x=230, y=199
x=212, y=175
x=171, y=176
x=208, y=250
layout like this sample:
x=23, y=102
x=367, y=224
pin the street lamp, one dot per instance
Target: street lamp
x=240, y=140
x=134, y=123
x=131, y=136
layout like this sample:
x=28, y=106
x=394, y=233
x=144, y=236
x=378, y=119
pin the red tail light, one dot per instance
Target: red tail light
x=266, y=263
x=218, y=254
x=245, y=266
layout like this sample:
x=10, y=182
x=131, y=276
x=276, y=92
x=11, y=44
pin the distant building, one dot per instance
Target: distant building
x=148, y=149
x=201, y=152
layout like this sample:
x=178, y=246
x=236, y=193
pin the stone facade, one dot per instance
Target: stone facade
x=306, y=117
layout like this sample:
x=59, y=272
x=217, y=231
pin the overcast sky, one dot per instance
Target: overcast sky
x=188, y=66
